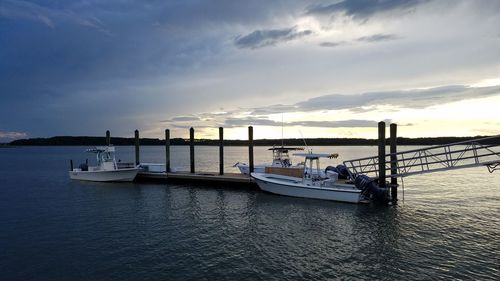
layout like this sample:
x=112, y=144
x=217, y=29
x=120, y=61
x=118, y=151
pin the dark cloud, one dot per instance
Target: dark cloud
x=183, y=119
x=378, y=38
x=363, y=9
x=256, y=121
x=416, y=99
x=232, y=122
x=368, y=39
x=188, y=126
x=6, y=136
x=353, y=123
x=356, y=103
x=269, y=37
x=332, y=44
x=277, y=108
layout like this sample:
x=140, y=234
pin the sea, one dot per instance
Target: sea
x=445, y=227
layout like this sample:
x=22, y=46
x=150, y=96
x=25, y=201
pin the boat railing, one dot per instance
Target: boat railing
x=466, y=154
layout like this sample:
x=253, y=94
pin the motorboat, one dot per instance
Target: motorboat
x=310, y=182
x=107, y=169
x=281, y=159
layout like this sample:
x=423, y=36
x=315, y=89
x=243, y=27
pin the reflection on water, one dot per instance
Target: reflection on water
x=54, y=228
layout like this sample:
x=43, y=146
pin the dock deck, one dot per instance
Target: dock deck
x=200, y=177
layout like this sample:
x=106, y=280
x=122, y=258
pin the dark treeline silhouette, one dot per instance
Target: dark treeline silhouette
x=93, y=141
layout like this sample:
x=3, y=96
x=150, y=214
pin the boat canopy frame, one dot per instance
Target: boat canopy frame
x=311, y=158
x=104, y=154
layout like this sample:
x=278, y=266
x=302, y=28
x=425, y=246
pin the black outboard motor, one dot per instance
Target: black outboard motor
x=367, y=184
x=363, y=182
x=84, y=167
x=331, y=168
x=342, y=171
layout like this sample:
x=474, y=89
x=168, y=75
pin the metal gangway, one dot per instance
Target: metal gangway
x=459, y=155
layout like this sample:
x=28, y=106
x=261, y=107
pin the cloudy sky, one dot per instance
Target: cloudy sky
x=323, y=69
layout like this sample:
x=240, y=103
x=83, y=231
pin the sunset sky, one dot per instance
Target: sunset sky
x=323, y=69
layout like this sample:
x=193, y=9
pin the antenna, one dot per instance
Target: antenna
x=282, y=141
x=305, y=143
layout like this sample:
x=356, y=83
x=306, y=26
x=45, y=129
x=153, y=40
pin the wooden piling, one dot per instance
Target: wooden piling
x=136, y=142
x=71, y=165
x=394, y=180
x=250, y=148
x=221, y=151
x=191, y=148
x=167, y=150
x=108, y=138
x=381, y=154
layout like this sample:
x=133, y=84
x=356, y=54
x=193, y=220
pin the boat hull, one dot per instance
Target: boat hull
x=294, y=187
x=120, y=175
x=245, y=169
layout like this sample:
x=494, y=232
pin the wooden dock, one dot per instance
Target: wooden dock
x=200, y=177
x=221, y=178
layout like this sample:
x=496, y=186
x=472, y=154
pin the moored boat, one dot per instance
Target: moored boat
x=107, y=169
x=281, y=159
x=312, y=183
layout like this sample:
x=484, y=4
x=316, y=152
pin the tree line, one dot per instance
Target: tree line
x=96, y=141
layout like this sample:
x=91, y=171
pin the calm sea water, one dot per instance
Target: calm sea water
x=51, y=228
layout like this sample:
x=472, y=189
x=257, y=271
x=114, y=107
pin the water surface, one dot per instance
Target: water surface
x=56, y=229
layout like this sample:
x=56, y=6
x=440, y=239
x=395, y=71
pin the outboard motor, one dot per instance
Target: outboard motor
x=331, y=168
x=332, y=173
x=84, y=167
x=367, y=184
x=342, y=171
x=363, y=182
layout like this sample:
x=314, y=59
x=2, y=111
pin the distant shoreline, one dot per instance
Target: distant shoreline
x=118, y=141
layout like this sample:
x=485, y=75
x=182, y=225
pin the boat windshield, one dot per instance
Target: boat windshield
x=107, y=156
x=103, y=153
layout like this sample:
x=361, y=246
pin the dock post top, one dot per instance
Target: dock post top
x=108, y=138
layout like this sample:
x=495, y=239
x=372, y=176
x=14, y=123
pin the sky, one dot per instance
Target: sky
x=314, y=68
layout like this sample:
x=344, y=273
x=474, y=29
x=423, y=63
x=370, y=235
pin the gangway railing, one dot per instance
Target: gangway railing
x=460, y=155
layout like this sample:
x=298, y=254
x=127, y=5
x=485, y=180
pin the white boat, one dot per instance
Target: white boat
x=280, y=159
x=107, y=168
x=316, y=185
